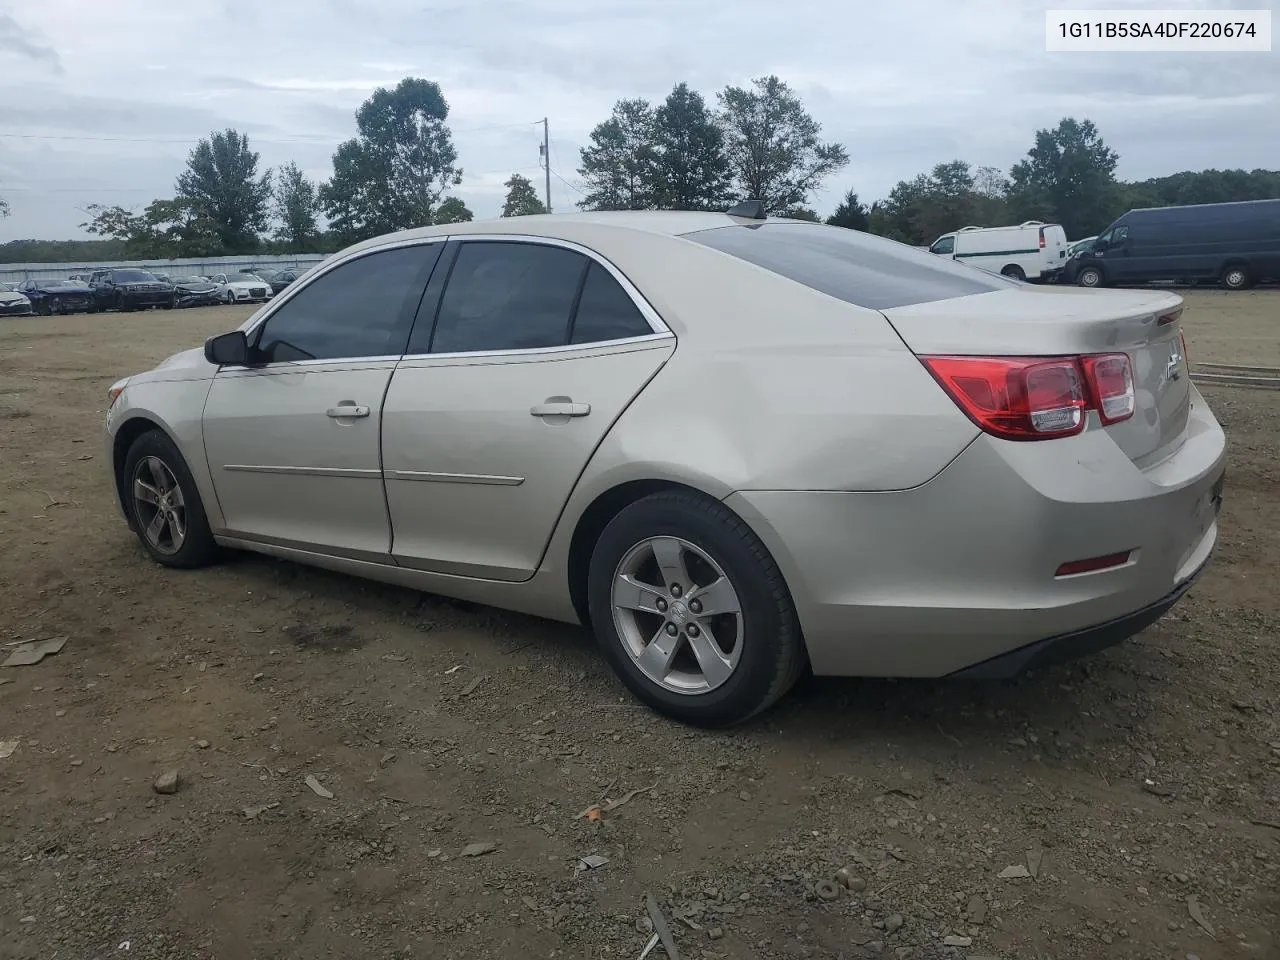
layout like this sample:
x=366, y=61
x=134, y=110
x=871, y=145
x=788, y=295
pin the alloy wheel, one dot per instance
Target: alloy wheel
x=678, y=615
x=160, y=507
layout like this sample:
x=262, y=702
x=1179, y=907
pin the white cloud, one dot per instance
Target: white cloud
x=903, y=85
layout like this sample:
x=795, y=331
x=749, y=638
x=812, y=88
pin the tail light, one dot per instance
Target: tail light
x=1042, y=238
x=1182, y=342
x=1037, y=398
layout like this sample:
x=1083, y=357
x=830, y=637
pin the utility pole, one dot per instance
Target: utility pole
x=546, y=160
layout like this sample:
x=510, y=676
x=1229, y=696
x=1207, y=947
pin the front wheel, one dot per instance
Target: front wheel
x=1013, y=272
x=1090, y=277
x=165, y=506
x=692, y=612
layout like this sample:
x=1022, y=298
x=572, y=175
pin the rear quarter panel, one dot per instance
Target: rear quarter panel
x=773, y=386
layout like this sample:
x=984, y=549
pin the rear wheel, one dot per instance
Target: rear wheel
x=1090, y=277
x=1235, y=277
x=692, y=612
x=1013, y=272
x=164, y=504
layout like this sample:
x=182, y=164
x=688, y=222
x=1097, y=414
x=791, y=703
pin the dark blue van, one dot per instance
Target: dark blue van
x=1236, y=244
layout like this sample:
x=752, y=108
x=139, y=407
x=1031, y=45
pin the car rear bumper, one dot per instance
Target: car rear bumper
x=1078, y=643
x=962, y=569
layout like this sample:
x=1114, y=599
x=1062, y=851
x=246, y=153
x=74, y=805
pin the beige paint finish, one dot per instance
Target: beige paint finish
x=911, y=543
x=475, y=480
x=286, y=470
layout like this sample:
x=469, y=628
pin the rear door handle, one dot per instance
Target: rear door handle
x=347, y=410
x=560, y=408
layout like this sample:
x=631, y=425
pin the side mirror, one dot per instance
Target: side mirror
x=227, y=349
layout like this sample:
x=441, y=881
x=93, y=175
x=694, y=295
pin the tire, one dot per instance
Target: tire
x=1090, y=277
x=1235, y=276
x=195, y=547
x=1013, y=272
x=767, y=654
x=42, y=308
x=122, y=305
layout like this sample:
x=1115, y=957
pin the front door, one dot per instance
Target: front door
x=492, y=417
x=293, y=440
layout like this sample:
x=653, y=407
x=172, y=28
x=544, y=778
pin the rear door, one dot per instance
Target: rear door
x=536, y=348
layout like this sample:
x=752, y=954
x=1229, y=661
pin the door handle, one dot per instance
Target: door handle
x=555, y=407
x=347, y=410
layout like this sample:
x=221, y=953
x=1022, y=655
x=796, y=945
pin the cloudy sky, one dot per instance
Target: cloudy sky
x=100, y=102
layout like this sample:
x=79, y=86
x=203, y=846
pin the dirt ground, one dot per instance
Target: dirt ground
x=1139, y=788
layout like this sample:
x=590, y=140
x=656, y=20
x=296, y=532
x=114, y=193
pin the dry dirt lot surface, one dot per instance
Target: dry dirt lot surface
x=1139, y=790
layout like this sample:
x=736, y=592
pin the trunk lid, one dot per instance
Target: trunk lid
x=1047, y=321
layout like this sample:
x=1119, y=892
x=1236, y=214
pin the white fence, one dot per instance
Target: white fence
x=195, y=266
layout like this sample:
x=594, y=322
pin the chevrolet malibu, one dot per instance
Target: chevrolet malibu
x=736, y=447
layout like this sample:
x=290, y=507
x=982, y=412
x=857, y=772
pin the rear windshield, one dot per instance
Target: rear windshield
x=858, y=268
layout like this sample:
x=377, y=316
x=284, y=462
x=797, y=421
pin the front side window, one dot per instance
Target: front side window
x=945, y=245
x=362, y=308
x=505, y=296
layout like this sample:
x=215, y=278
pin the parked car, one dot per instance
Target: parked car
x=57, y=296
x=129, y=289
x=1080, y=246
x=241, y=288
x=1030, y=251
x=1236, y=244
x=862, y=457
x=13, y=303
x=195, y=292
x=280, y=279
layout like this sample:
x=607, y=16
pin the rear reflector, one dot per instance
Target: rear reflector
x=1093, y=564
x=1037, y=398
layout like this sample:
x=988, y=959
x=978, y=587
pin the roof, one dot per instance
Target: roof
x=568, y=226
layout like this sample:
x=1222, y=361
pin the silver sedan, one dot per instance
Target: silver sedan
x=736, y=448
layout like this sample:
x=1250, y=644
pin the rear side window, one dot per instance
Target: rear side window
x=857, y=268
x=506, y=296
x=605, y=312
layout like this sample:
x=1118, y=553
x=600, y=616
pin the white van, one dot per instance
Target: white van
x=1030, y=251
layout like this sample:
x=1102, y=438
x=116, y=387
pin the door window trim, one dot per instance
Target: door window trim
x=281, y=300
x=656, y=324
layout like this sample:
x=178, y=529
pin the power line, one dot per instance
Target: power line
x=292, y=138
x=567, y=183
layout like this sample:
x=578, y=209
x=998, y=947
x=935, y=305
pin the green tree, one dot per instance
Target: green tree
x=799, y=213
x=1068, y=176
x=919, y=210
x=296, y=205
x=165, y=228
x=690, y=168
x=522, y=199
x=393, y=173
x=850, y=213
x=773, y=144
x=1202, y=186
x=618, y=167
x=221, y=186
x=452, y=210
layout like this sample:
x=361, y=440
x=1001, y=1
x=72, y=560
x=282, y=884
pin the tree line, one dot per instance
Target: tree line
x=755, y=141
